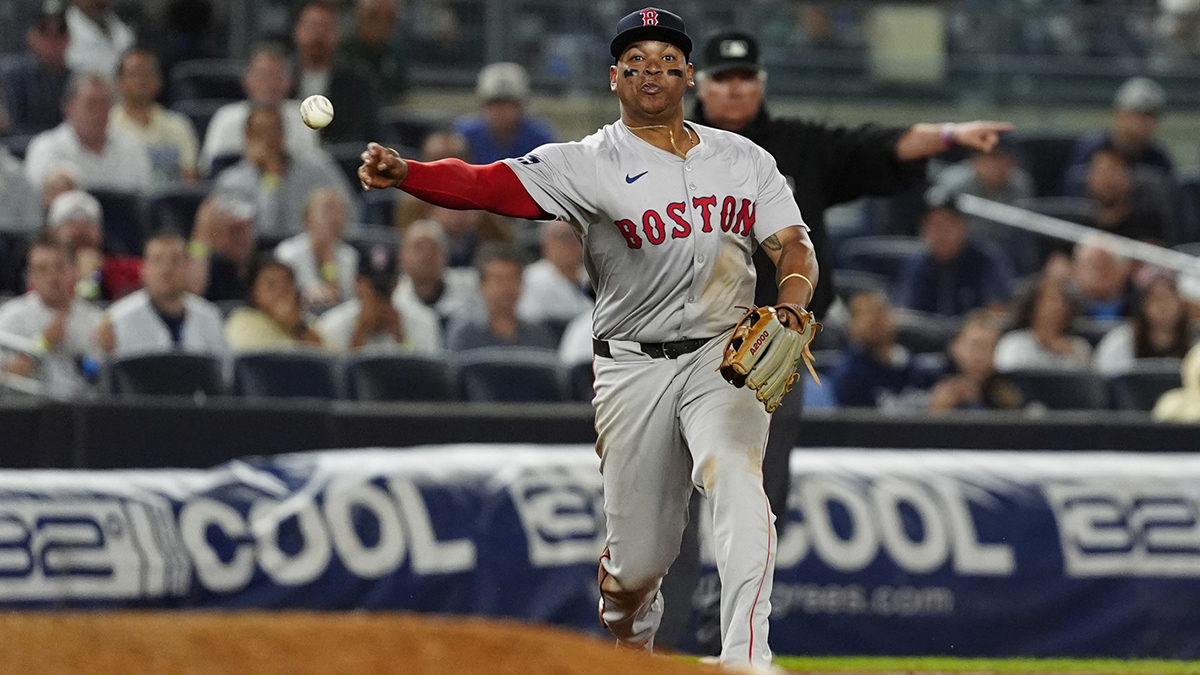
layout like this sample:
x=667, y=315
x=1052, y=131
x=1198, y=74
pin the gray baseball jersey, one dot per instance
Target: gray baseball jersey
x=667, y=240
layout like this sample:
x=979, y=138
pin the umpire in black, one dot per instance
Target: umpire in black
x=825, y=165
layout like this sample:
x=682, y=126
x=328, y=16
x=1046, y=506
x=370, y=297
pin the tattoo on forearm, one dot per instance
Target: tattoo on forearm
x=771, y=243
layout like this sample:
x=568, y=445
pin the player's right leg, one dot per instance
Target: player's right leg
x=646, y=472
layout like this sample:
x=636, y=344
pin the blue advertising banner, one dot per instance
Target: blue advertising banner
x=972, y=554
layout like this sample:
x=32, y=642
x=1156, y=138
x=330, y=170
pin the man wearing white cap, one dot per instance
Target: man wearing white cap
x=502, y=130
x=1137, y=106
x=75, y=220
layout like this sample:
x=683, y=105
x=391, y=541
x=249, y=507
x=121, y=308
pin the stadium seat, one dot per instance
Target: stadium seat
x=200, y=112
x=222, y=162
x=923, y=332
x=367, y=238
x=286, y=375
x=849, y=283
x=410, y=127
x=1093, y=330
x=1063, y=389
x=1140, y=388
x=581, y=381
x=1045, y=157
x=17, y=144
x=124, y=220
x=386, y=377
x=824, y=360
x=882, y=255
x=379, y=207
x=206, y=78
x=510, y=374
x=175, y=207
x=899, y=214
x=167, y=374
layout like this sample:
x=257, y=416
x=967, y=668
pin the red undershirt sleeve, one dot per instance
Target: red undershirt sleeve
x=454, y=184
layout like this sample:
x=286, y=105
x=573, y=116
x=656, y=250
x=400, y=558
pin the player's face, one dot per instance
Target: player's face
x=650, y=78
x=731, y=100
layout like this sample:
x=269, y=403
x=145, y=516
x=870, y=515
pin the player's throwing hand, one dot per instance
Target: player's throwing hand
x=381, y=168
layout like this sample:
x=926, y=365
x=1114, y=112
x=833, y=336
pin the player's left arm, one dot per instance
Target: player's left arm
x=792, y=252
x=923, y=141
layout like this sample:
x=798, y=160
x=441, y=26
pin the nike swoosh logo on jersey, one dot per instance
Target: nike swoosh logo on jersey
x=630, y=179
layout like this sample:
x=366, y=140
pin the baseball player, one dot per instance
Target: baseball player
x=669, y=214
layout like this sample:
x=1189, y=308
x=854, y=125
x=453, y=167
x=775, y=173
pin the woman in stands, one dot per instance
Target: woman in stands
x=1041, y=336
x=1159, y=328
x=274, y=319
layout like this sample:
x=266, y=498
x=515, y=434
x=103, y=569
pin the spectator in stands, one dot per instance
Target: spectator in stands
x=502, y=130
x=371, y=45
x=1124, y=207
x=75, y=220
x=1158, y=328
x=33, y=82
x=996, y=176
x=873, y=369
x=955, y=273
x=280, y=182
x=98, y=37
x=222, y=248
x=971, y=381
x=1103, y=280
x=500, y=286
x=316, y=35
x=370, y=322
x=426, y=282
x=326, y=266
x=61, y=325
x=1041, y=335
x=556, y=287
x=274, y=318
x=164, y=316
x=267, y=82
x=99, y=157
x=465, y=230
x=168, y=136
x=20, y=211
x=1136, y=109
x=1182, y=404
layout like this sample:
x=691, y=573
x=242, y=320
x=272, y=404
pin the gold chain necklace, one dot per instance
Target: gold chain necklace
x=671, y=135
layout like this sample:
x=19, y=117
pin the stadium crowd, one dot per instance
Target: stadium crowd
x=222, y=225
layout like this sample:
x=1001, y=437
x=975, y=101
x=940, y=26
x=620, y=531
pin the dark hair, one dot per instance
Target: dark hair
x=261, y=109
x=46, y=240
x=1181, y=337
x=493, y=251
x=166, y=234
x=326, y=5
x=137, y=49
x=1107, y=148
x=1026, y=299
x=261, y=264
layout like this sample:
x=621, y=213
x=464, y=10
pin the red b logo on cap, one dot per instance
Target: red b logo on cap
x=649, y=17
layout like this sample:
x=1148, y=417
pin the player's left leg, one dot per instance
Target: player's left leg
x=726, y=430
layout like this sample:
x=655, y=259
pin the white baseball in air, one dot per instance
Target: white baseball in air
x=316, y=111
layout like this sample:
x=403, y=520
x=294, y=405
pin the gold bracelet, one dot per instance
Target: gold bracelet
x=811, y=290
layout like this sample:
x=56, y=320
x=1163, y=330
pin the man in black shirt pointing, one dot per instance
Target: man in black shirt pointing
x=825, y=165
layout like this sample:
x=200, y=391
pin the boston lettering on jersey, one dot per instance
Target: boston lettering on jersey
x=734, y=217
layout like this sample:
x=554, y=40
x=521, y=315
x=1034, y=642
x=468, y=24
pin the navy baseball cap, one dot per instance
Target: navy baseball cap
x=729, y=51
x=650, y=24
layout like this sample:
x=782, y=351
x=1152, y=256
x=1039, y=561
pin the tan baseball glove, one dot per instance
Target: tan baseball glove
x=763, y=354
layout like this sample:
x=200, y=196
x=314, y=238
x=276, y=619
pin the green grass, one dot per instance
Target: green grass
x=937, y=664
